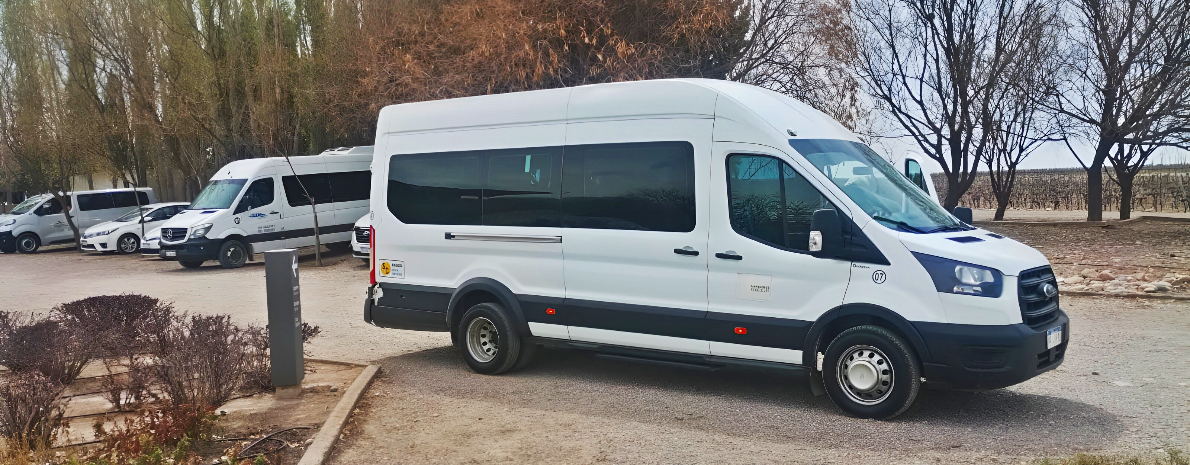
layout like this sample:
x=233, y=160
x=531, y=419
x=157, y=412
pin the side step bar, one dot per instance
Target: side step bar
x=664, y=358
x=652, y=361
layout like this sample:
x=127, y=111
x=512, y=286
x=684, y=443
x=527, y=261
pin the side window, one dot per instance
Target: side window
x=435, y=189
x=915, y=175
x=125, y=199
x=317, y=185
x=351, y=186
x=51, y=207
x=645, y=187
x=143, y=196
x=90, y=202
x=259, y=194
x=522, y=188
x=771, y=202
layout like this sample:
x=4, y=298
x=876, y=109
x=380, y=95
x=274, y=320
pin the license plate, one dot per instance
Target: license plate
x=174, y=253
x=365, y=250
x=1053, y=337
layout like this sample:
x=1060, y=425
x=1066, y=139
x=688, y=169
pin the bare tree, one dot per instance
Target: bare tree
x=1127, y=69
x=937, y=67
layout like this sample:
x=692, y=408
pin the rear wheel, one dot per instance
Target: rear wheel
x=232, y=254
x=338, y=246
x=190, y=264
x=870, y=372
x=128, y=243
x=28, y=243
x=491, y=345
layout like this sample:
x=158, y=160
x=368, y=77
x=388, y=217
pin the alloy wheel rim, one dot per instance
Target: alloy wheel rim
x=28, y=244
x=483, y=340
x=128, y=245
x=865, y=374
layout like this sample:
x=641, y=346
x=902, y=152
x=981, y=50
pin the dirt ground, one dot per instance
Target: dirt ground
x=569, y=407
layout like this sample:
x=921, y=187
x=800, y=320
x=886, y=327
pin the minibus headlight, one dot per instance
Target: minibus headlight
x=200, y=231
x=955, y=277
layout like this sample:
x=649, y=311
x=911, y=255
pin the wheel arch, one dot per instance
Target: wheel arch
x=838, y=319
x=239, y=236
x=479, y=290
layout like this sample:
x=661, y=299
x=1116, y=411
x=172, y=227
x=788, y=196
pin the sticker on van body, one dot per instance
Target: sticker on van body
x=392, y=269
x=753, y=287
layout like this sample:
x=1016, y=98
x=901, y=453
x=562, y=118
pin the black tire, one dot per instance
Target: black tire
x=885, y=370
x=127, y=244
x=338, y=246
x=28, y=243
x=190, y=264
x=500, y=340
x=232, y=254
x=528, y=351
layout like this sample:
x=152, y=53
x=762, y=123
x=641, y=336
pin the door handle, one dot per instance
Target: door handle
x=729, y=255
x=686, y=251
x=274, y=213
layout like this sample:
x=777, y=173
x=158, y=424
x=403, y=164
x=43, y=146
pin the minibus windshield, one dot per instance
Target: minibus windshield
x=218, y=194
x=876, y=186
x=134, y=214
x=29, y=204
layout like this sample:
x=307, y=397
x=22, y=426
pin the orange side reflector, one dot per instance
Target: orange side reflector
x=741, y=330
x=550, y=311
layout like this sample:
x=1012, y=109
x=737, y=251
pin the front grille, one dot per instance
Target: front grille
x=361, y=235
x=1036, y=307
x=173, y=234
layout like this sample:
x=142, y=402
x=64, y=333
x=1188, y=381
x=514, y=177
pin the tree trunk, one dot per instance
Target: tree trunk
x=953, y=193
x=1001, y=205
x=1095, y=183
x=1125, y=179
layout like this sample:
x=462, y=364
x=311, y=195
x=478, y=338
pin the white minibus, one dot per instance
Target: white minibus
x=250, y=206
x=696, y=223
x=40, y=219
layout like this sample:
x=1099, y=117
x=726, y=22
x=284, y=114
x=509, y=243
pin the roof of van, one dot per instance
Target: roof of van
x=663, y=98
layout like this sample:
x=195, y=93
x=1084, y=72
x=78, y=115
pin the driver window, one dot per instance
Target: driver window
x=259, y=194
x=771, y=202
x=51, y=207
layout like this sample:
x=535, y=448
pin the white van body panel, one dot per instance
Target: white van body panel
x=907, y=290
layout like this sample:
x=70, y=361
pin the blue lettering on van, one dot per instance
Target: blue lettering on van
x=256, y=215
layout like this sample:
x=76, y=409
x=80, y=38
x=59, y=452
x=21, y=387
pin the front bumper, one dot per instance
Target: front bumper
x=977, y=357
x=8, y=243
x=361, y=250
x=97, y=244
x=193, y=250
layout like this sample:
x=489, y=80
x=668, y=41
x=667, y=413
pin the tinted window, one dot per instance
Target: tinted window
x=522, y=188
x=259, y=194
x=125, y=199
x=351, y=186
x=647, y=187
x=89, y=202
x=913, y=172
x=317, y=185
x=435, y=188
x=770, y=202
x=52, y=207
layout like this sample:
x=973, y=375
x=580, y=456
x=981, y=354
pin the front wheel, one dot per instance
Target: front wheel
x=190, y=264
x=870, y=372
x=128, y=243
x=232, y=254
x=491, y=345
x=28, y=243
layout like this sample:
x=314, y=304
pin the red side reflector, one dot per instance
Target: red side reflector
x=550, y=311
x=372, y=252
x=741, y=330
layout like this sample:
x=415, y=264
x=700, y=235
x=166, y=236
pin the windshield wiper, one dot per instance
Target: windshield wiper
x=953, y=227
x=900, y=224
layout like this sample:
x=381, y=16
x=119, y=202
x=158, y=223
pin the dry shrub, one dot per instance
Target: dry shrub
x=30, y=413
x=144, y=438
x=48, y=346
x=200, y=360
x=258, y=373
x=1171, y=457
x=123, y=327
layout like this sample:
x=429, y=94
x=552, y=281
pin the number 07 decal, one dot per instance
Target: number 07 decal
x=878, y=277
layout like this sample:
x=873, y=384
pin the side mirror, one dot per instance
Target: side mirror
x=826, y=233
x=963, y=214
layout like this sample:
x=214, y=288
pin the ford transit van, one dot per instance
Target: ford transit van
x=41, y=219
x=250, y=206
x=694, y=222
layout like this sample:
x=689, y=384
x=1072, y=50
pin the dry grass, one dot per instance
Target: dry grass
x=1170, y=457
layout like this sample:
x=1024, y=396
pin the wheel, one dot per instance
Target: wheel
x=869, y=372
x=128, y=243
x=528, y=350
x=190, y=264
x=28, y=243
x=232, y=254
x=490, y=343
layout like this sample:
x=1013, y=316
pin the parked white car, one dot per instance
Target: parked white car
x=151, y=244
x=360, y=247
x=123, y=234
x=40, y=220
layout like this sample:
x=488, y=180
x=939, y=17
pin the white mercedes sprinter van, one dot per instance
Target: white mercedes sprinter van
x=40, y=219
x=695, y=222
x=254, y=205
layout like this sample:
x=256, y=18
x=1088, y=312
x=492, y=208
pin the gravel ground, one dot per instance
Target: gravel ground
x=569, y=407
